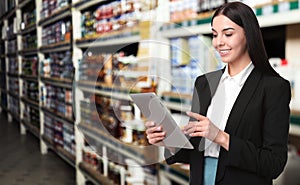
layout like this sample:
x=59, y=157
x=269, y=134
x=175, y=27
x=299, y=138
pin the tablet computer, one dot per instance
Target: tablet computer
x=154, y=110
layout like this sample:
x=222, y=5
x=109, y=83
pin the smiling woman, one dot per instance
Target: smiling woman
x=240, y=115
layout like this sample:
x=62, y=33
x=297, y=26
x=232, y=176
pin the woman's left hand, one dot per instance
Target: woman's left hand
x=203, y=127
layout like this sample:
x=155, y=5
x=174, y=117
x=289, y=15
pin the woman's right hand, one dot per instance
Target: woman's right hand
x=155, y=134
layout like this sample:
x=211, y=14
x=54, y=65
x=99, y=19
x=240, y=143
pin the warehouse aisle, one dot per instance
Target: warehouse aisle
x=21, y=162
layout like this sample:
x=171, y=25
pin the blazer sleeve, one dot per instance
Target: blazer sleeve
x=270, y=158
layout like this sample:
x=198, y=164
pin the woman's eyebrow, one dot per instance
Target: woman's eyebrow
x=225, y=29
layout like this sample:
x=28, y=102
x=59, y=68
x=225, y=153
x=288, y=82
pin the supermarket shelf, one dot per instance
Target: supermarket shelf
x=30, y=51
x=33, y=129
x=4, y=108
x=139, y=153
x=16, y=96
x=65, y=155
x=28, y=29
x=93, y=175
x=115, y=95
x=58, y=82
x=201, y=25
x=57, y=116
x=13, y=75
x=119, y=40
x=10, y=13
x=29, y=78
x=31, y=103
x=11, y=55
x=175, y=173
x=280, y=18
x=59, y=15
x=24, y=3
x=14, y=116
x=295, y=123
x=61, y=46
x=295, y=129
x=3, y=91
x=84, y=4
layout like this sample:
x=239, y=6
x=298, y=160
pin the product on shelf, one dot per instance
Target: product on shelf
x=13, y=65
x=58, y=100
x=29, y=41
x=31, y=116
x=58, y=65
x=191, y=57
x=30, y=66
x=58, y=32
x=60, y=133
x=30, y=90
x=49, y=8
x=116, y=117
x=113, y=17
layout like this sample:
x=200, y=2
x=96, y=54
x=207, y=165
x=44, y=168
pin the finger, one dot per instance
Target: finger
x=149, y=124
x=195, y=115
x=155, y=135
x=190, y=125
x=197, y=134
x=156, y=140
x=153, y=129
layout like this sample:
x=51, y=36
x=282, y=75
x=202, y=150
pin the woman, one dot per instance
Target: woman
x=240, y=115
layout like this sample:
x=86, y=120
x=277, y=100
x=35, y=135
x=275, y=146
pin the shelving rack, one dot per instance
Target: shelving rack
x=69, y=135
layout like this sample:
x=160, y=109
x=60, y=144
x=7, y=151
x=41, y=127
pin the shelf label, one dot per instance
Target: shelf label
x=285, y=6
x=185, y=23
x=267, y=10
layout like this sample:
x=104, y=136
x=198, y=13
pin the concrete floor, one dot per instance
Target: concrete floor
x=21, y=162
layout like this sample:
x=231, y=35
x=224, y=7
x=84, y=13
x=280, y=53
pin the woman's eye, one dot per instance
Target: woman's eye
x=228, y=34
x=214, y=35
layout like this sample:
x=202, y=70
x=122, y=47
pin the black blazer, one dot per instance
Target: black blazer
x=258, y=126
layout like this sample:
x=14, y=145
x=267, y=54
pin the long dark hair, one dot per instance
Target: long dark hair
x=244, y=16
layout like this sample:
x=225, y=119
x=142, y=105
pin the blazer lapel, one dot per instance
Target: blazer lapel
x=242, y=101
x=236, y=113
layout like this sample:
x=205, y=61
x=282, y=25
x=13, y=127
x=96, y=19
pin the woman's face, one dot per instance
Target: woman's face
x=229, y=40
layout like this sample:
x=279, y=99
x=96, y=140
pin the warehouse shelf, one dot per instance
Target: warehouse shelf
x=14, y=115
x=123, y=38
x=139, y=153
x=84, y=4
x=13, y=75
x=94, y=176
x=56, y=115
x=33, y=129
x=32, y=103
x=29, y=51
x=59, y=15
x=10, y=13
x=58, y=82
x=57, y=47
x=24, y=3
x=113, y=93
x=30, y=78
x=61, y=152
x=16, y=96
x=11, y=55
x=28, y=29
x=201, y=25
x=175, y=173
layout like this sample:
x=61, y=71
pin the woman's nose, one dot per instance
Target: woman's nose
x=220, y=41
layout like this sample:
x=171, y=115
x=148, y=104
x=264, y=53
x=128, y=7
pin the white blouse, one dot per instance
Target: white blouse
x=222, y=103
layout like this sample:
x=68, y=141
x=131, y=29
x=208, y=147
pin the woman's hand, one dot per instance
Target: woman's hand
x=155, y=134
x=203, y=127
